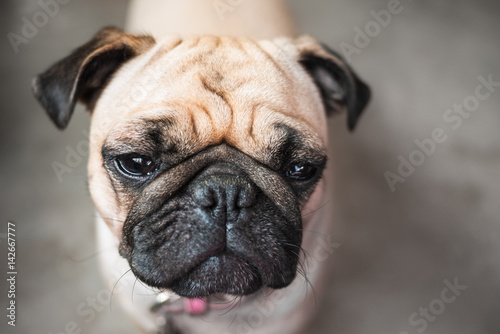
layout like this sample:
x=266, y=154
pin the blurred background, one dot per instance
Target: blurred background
x=401, y=243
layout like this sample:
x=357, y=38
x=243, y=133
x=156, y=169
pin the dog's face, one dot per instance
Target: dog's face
x=205, y=152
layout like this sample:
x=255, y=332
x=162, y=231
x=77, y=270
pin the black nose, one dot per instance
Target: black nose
x=225, y=193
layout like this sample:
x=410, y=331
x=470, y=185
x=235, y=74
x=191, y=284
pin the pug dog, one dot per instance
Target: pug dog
x=207, y=169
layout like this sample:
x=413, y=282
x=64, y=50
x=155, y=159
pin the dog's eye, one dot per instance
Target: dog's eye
x=136, y=165
x=302, y=172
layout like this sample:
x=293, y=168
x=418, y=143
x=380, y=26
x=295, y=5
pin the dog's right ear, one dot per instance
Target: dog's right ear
x=83, y=74
x=338, y=84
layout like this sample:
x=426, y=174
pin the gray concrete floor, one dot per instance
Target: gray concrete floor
x=397, y=248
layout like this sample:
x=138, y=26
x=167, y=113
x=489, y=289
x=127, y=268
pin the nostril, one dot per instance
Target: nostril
x=205, y=197
x=246, y=197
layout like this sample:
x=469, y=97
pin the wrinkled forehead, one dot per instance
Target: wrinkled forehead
x=231, y=62
x=225, y=62
x=219, y=88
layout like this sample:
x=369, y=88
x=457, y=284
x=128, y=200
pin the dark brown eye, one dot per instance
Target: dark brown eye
x=302, y=172
x=136, y=165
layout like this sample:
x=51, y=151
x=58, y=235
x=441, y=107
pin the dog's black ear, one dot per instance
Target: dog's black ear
x=340, y=87
x=83, y=74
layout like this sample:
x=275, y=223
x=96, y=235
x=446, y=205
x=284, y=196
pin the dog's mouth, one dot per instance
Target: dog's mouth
x=216, y=271
x=196, y=258
x=168, y=302
x=195, y=297
x=222, y=273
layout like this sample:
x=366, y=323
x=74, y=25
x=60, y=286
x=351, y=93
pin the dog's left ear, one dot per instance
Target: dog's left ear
x=83, y=74
x=340, y=87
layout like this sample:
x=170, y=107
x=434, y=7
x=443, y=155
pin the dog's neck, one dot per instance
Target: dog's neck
x=260, y=19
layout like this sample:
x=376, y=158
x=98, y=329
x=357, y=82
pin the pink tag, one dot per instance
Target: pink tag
x=195, y=305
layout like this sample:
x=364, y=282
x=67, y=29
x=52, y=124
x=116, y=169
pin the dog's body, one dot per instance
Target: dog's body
x=206, y=164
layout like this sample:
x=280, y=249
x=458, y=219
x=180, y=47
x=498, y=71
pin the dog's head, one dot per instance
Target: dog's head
x=206, y=151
